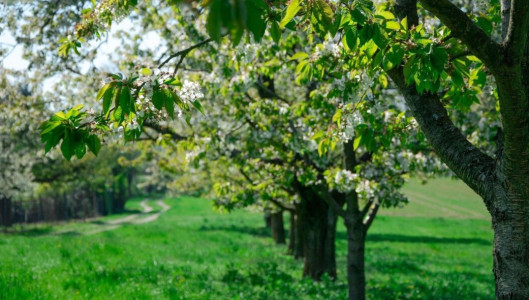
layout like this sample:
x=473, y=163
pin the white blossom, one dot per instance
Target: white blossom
x=190, y=91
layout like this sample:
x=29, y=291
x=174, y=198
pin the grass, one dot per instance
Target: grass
x=191, y=252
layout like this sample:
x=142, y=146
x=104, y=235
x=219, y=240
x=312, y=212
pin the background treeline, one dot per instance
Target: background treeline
x=91, y=187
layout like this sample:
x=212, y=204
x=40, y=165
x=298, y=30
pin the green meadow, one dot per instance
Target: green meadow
x=437, y=247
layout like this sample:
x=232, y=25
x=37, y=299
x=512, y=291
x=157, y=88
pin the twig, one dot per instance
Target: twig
x=183, y=53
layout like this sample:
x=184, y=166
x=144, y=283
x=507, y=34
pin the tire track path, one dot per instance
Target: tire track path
x=143, y=217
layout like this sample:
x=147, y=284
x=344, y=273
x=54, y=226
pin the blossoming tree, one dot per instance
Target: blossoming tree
x=435, y=65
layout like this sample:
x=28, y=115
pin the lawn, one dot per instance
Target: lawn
x=437, y=247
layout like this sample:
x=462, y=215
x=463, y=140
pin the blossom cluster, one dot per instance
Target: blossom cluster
x=190, y=91
x=344, y=181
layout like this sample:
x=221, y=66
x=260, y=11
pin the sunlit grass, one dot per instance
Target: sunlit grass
x=191, y=252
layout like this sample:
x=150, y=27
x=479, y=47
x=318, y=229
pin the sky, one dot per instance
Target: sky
x=15, y=61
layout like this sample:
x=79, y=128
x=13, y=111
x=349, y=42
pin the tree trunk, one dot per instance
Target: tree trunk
x=6, y=219
x=329, y=250
x=268, y=219
x=299, y=231
x=292, y=233
x=502, y=181
x=510, y=221
x=355, y=260
x=318, y=237
x=277, y=227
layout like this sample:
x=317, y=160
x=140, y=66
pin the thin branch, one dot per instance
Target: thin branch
x=364, y=211
x=463, y=28
x=183, y=53
x=327, y=197
x=459, y=55
x=164, y=130
x=370, y=217
x=283, y=206
x=277, y=203
x=273, y=93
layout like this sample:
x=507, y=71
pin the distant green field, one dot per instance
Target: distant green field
x=437, y=247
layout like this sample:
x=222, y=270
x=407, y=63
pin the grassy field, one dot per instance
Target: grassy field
x=437, y=247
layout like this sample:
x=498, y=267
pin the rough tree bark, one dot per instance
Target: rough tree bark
x=277, y=227
x=292, y=233
x=357, y=222
x=503, y=181
x=6, y=219
x=299, y=225
x=268, y=219
x=317, y=232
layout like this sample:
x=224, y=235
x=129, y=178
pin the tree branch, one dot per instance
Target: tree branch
x=327, y=197
x=283, y=206
x=516, y=38
x=365, y=210
x=463, y=28
x=474, y=167
x=370, y=217
x=183, y=53
x=277, y=203
x=164, y=130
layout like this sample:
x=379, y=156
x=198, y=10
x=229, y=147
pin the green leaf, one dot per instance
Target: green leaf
x=409, y=67
x=291, y=11
x=358, y=16
x=393, y=57
x=77, y=107
x=67, y=146
x=198, y=106
x=485, y=24
x=318, y=135
x=118, y=114
x=379, y=37
x=385, y=15
x=333, y=29
x=169, y=102
x=52, y=139
x=383, y=80
x=157, y=99
x=392, y=25
x=48, y=126
x=116, y=96
x=146, y=71
x=378, y=59
x=80, y=149
x=107, y=100
x=58, y=116
x=125, y=100
x=299, y=56
x=104, y=89
x=438, y=58
x=457, y=78
x=94, y=144
x=255, y=20
x=275, y=32
x=323, y=13
x=351, y=36
x=337, y=117
x=214, y=20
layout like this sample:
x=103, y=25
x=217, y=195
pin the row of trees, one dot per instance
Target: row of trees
x=35, y=187
x=311, y=110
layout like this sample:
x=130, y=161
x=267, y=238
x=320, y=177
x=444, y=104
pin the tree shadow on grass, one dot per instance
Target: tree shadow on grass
x=403, y=238
x=377, y=237
x=36, y=231
x=255, y=231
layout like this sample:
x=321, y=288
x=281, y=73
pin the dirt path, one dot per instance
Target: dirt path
x=143, y=217
x=155, y=216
